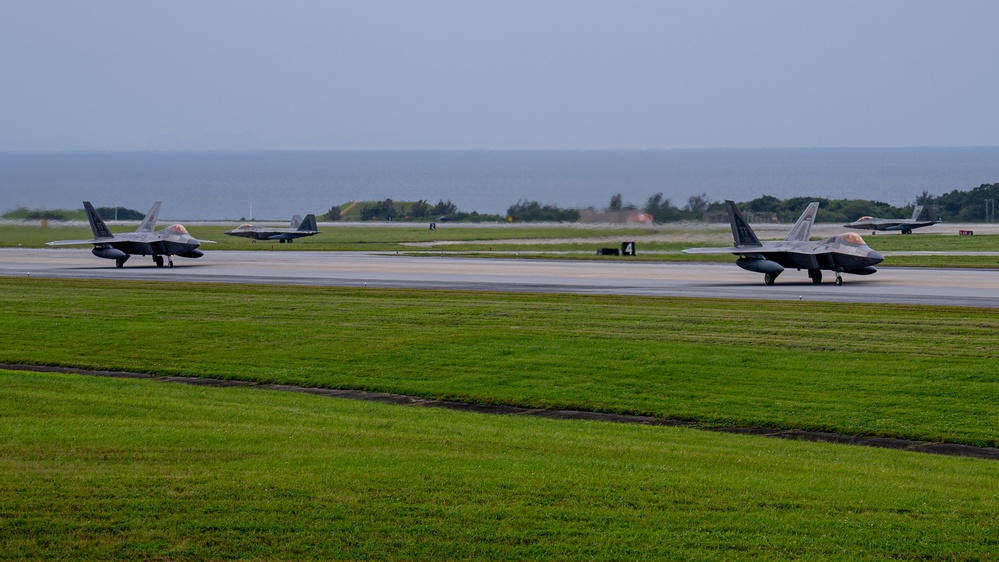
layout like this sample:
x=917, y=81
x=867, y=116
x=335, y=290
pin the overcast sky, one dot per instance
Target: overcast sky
x=505, y=74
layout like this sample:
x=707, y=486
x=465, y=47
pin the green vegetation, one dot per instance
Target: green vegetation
x=896, y=371
x=121, y=469
x=106, y=213
x=405, y=211
x=977, y=204
x=532, y=211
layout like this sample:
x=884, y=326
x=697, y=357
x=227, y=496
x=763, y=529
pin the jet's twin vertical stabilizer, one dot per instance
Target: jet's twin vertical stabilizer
x=149, y=223
x=309, y=224
x=741, y=232
x=97, y=225
x=802, y=229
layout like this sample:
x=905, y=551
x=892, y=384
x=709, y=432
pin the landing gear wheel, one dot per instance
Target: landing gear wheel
x=171, y=263
x=158, y=260
x=839, y=280
x=816, y=276
x=120, y=262
x=768, y=279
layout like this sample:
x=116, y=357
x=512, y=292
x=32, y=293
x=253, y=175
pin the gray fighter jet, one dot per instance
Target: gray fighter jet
x=846, y=253
x=906, y=226
x=299, y=228
x=170, y=241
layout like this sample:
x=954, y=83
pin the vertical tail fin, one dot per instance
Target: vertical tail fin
x=149, y=222
x=917, y=212
x=296, y=221
x=309, y=223
x=803, y=228
x=97, y=225
x=743, y=235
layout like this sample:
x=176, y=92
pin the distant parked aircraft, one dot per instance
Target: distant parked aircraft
x=906, y=226
x=299, y=228
x=173, y=240
x=846, y=253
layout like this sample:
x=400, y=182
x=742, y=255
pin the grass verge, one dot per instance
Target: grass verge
x=923, y=373
x=99, y=468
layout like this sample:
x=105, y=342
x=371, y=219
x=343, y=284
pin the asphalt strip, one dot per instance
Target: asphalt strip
x=951, y=449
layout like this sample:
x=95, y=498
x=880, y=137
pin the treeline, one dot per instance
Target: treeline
x=106, y=213
x=419, y=211
x=975, y=205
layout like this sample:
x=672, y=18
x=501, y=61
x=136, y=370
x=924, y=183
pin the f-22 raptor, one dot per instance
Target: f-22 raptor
x=846, y=253
x=299, y=228
x=173, y=240
x=906, y=226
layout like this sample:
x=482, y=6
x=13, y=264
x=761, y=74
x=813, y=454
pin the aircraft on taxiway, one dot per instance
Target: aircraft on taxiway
x=846, y=253
x=906, y=226
x=299, y=228
x=173, y=240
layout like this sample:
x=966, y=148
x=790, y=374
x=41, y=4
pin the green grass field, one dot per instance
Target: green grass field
x=897, y=371
x=97, y=468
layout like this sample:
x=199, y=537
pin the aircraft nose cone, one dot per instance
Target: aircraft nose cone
x=875, y=256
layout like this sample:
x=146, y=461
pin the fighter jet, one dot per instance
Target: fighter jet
x=170, y=241
x=846, y=253
x=906, y=226
x=299, y=228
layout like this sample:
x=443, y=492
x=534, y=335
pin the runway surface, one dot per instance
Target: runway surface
x=953, y=287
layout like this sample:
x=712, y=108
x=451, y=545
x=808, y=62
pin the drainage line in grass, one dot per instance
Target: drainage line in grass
x=952, y=449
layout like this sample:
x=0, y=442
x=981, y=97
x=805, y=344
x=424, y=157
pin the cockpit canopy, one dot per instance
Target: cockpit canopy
x=851, y=238
x=245, y=225
x=177, y=229
x=865, y=218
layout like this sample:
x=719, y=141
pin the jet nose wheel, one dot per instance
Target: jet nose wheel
x=839, y=280
x=171, y=263
x=768, y=279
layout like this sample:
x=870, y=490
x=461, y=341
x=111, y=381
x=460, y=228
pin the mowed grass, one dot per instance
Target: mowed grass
x=97, y=468
x=897, y=371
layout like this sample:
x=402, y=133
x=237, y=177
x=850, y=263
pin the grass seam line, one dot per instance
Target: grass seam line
x=949, y=449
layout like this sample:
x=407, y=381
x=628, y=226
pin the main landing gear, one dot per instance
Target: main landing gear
x=814, y=274
x=120, y=262
x=159, y=261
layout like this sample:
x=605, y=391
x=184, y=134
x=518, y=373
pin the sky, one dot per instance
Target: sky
x=496, y=75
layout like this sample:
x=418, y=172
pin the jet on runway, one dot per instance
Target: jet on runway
x=299, y=228
x=173, y=240
x=906, y=226
x=846, y=253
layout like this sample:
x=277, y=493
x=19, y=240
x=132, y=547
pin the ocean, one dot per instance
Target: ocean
x=274, y=185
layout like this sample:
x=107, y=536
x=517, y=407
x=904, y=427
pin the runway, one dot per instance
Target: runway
x=951, y=287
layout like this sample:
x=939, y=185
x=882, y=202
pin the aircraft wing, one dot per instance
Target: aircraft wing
x=732, y=250
x=77, y=242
